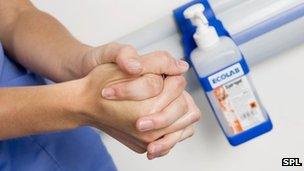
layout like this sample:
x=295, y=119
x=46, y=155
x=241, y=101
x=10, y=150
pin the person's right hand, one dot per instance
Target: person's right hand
x=126, y=56
x=173, y=107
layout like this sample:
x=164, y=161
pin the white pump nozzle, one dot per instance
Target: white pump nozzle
x=195, y=14
x=205, y=35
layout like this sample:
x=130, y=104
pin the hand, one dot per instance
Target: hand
x=172, y=104
x=129, y=61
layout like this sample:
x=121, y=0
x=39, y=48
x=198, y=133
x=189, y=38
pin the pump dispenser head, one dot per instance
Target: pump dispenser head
x=205, y=35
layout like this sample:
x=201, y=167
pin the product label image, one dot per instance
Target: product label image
x=238, y=104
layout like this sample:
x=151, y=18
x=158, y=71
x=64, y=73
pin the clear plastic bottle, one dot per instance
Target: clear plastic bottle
x=223, y=73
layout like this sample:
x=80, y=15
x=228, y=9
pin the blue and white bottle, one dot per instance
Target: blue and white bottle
x=224, y=75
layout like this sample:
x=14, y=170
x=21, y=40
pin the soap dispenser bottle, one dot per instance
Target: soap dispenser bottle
x=224, y=76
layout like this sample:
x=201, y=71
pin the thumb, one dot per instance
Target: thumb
x=161, y=62
x=128, y=60
x=125, y=56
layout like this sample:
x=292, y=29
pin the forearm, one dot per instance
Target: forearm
x=40, y=109
x=42, y=44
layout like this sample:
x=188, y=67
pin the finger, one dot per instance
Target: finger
x=173, y=88
x=161, y=146
x=142, y=88
x=162, y=62
x=151, y=157
x=187, y=133
x=125, y=139
x=169, y=115
x=193, y=115
x=130, y=143
x=190, y=118
x=170, y=140
x=125, y=56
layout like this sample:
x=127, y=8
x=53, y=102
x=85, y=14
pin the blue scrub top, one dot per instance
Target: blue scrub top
x=74, y=150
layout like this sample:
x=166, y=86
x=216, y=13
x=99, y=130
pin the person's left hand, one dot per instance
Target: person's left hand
x=128, y=60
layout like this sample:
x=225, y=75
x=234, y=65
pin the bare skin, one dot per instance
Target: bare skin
x=77, y=103
x=40, y=43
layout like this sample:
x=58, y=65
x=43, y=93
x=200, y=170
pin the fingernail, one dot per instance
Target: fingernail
x=134, y=64
x=145, y=125
x=183, y=64
x=150, y=156
x=108, y=93
x=155, y=149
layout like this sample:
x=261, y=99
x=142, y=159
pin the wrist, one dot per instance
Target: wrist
x=82, y=101
x=72, y=104
x=73, y=66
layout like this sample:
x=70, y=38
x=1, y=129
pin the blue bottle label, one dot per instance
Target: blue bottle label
x=225, y=75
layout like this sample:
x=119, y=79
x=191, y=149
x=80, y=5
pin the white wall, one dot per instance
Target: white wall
x=277, y=80
x=100, y=21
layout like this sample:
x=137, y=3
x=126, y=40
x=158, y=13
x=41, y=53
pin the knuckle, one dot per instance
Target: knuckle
x=191, y=132
x=192, y=129
x=162, y=121
x=166, y=146
x=144, y=138
x=112, y=44
x=184, y=106
x=125, y=49
x=145, y=109
x=164, y=55
x=154, y=84
x=128, y=48
x=181, y=82
x=197, y=116
x=121, y=90
x=147, y=138
x=168, y=62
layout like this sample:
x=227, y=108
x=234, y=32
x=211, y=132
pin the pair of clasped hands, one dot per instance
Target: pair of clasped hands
x=140, y=100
